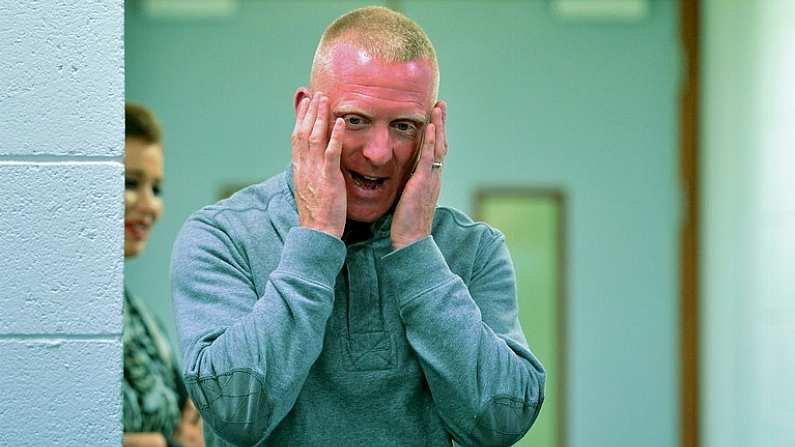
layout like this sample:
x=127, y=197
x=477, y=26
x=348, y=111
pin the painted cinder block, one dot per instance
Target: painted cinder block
x=60, y=392
x=62, y=77
x=61, y=248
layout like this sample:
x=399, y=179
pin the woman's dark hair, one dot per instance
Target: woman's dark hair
x=140, y=123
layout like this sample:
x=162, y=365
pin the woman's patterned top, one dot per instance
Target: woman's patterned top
x=153, y=390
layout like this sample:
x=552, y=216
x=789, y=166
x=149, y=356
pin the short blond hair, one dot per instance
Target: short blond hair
x=382, y=33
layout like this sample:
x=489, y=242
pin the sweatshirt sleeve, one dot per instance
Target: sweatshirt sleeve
x=487, y=385
x=246, y=356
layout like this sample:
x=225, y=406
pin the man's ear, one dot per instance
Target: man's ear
x=300, y=94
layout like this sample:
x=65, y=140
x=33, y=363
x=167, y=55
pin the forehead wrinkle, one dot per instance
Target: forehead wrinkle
x=363, y=96
x=401, y=89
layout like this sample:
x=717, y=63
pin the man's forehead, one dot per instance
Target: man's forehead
x=348, y=63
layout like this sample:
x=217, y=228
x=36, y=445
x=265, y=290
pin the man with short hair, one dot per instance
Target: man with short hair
x=335, y=304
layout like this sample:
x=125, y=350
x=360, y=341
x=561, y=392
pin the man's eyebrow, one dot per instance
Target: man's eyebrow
x=422, y=119
x=344, y=110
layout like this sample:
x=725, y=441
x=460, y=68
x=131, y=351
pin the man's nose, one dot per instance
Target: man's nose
x=378, y=149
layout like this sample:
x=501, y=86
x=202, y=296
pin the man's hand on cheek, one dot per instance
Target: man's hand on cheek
x=413, y=217
x=319, y=185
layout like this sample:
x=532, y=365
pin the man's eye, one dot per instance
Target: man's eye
x=353, y=120
x=404, y=126
x=157, y=190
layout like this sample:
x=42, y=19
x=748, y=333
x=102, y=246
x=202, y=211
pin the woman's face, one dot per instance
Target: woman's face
x=143, y=165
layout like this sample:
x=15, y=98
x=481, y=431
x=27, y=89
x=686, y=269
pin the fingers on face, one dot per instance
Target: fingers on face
x=443, y=106
x=311, y=114
x=311, y=125
x=317, y=139
x=428, y=144
x=334, y=150
x=298, y=135
x=303, y=106
x=441, y=135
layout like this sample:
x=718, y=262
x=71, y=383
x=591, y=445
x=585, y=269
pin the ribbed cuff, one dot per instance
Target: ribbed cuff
x=415, y=268
x=313, y=255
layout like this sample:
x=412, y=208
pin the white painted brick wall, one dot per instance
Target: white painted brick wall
x=61, y=221
x=66, y=262
x=61, y=76
x=60, y=393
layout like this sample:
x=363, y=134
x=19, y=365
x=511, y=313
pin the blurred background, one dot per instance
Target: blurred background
x=637, y=153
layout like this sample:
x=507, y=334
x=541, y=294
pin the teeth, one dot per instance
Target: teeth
x=372, y=179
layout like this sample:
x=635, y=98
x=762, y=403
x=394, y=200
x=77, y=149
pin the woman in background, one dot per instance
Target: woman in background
x=157, y=410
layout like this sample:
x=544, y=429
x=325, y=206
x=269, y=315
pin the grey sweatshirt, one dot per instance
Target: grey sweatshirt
x=290, y=338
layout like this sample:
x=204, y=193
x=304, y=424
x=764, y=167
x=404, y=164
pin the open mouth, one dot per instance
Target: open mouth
x=366, y=181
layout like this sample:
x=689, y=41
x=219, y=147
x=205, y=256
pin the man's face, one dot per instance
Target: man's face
x=385, y=107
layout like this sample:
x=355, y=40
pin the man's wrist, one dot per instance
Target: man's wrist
x=399, y=243
x=415, y=268
x=324, y=229
x=312, y=254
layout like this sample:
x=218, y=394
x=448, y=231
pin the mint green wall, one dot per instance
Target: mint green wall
x=531, y=225
x=748, y=209
x=533, y=101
